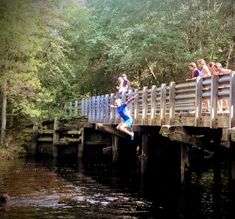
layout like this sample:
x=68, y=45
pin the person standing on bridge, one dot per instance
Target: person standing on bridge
x=195, y=71
x=126, y=124
x=126, y=83
x=120, y=87
x=204, y=68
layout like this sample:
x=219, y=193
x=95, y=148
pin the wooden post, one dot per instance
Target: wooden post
x=232, y=101
x=93, y=111
x=198, y=100
x=153, y=105
x=97, y=117
x=81, y=145
x=136, y=112
x=102, y=109
x=162, y=103
x=116, y=117
x=106, y=108
x=115, y=148
x=55, y=138
x=144, y=105
x=112, y=110
x=34, y=140
x=217, y=152
x=184, y=161
x=90, y=109
x=214, y=98
x=232, y=161
x=171, y=102
x=144, y=158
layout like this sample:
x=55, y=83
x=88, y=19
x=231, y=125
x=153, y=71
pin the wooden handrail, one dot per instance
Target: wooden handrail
x=177, y=103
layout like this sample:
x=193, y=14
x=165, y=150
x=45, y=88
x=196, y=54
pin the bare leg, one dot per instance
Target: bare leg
x=124, y=128
x=219, y=105
x=226, y=104
x=118, y=126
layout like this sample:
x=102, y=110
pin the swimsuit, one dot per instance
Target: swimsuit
x=125, y=115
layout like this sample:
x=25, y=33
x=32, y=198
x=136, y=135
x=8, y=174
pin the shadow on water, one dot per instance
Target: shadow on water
x=65, y=188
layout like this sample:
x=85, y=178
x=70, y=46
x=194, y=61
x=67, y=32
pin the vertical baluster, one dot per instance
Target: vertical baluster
x=101, y=119
x=163, y=103
x=153, y=105
x=232, y=101
x=198, y=100
x=144, y=105
x=90, y=109
x=93, y=108
x=97, y=118
x=106, y=108
x=136, y=108
x=172, y=102
x=213, y=100
x=112, y=110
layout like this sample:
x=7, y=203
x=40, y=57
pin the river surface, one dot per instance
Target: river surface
x=47, y=189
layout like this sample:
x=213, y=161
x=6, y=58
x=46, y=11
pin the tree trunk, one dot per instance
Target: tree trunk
x=4, y=109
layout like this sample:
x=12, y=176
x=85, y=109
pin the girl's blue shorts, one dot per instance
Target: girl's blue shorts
x=128, y=122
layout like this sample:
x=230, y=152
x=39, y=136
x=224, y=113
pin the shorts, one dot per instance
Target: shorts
x=128, y=122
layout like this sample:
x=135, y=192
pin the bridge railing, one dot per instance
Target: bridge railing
x=177, y=103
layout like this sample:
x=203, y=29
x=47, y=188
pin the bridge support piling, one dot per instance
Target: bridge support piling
x=55, y=138
x=232, y=161
x=184, y=161
x=217, y=156
x=34, y=140
x=80, y=146
x=115, y=148
x=144, y=158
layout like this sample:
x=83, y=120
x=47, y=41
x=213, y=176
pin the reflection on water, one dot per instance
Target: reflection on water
x=64, y=190
x=37, y=191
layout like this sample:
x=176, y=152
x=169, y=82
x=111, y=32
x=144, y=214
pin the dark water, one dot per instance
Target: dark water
x=63, y=189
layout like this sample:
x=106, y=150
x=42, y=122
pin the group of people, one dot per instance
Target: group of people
x=123, y=84
x=202, y=69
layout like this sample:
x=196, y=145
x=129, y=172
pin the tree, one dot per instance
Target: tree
x=26, y=27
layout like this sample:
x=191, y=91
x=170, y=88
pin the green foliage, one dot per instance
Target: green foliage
x=32, y=56
x=9, y=153
x=52, y=52
x=153, y=41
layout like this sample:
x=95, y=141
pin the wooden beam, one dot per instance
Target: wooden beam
x=97, y=142
x=177, y=133
x=110, y=129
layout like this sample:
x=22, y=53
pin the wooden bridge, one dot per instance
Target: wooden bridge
x=174, y=104
x=176, y=111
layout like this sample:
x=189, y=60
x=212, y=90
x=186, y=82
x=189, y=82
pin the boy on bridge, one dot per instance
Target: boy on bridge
x=126, y=124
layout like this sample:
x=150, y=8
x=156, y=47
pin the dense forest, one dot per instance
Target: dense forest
x=54, y=51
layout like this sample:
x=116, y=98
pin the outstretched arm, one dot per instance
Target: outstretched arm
x=131, y=99
x=112, y=106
